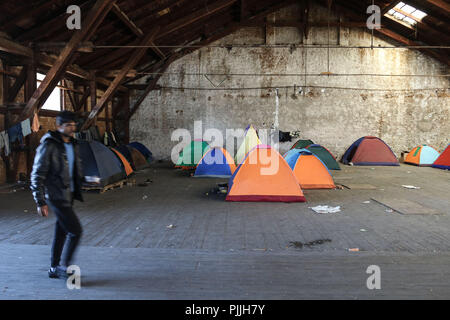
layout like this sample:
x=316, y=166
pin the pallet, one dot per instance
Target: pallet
x=118, y=184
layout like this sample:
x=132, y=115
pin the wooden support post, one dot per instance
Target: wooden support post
x=6, y=121
x=107, y=124
x=32, y=140
x=243, y=11
x=126, y=106
x=93, y=90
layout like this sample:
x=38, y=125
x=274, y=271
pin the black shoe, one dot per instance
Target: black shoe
x=59, y=272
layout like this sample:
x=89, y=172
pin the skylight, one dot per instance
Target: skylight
x=407, y=14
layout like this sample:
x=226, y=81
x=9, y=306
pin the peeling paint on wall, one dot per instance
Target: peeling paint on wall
x=332, y=117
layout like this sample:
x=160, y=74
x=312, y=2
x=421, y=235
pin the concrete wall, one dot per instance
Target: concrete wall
x=331, y=117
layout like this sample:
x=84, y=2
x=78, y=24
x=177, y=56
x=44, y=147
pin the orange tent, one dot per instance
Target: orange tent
x=309, y=170
x=264, y=175
x=126, y=164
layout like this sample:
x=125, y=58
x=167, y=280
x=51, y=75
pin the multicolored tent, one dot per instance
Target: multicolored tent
x=443, y=162
x=264, y=175
x=139, y=161
x=125, y=164
x=216, y=163
x=99, y=161
x=142, y=149
x=325, y=155
x=309, y=170
x=192, y=154
x=133, y=156
x=422, y=155
x=251, y=140
x=125, y=151
x=370, y=151
x=301, y=144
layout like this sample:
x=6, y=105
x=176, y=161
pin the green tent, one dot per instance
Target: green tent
x=325, y=156
x=302, y=144
x=192, y=154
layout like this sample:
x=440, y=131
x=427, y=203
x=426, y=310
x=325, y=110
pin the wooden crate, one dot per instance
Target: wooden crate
x=118, y=184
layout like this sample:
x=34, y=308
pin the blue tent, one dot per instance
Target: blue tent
x=99, y=161
x=216, y=163
x=142, y=149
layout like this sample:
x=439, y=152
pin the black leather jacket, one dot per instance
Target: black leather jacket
x=50, y=178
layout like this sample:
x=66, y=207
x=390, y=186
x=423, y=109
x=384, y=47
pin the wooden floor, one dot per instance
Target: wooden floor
x=131, y=224
x=137, y=217
x=141, y=273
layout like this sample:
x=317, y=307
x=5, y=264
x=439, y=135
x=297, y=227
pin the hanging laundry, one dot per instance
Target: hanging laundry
x=36, y=125
x=15, y=133
x=113, y=137
x=4, y=142
x=26, y=129
x=106, y=139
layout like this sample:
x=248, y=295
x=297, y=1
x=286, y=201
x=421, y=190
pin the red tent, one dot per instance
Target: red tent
x=370, y=151
x=443, y=162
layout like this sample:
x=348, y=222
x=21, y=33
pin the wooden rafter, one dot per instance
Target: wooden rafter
x=127, y=21
x=389, y=6
x=20, y=81
x=134, y=59
x=135, y=29
x=12, y=47
x=93, y=20
x=442, y=4
x=161, y=66
x=52, y=25
x=350, y=13
x=168, y=29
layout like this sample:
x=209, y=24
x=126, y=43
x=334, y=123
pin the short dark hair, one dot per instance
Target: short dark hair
x=65, y=117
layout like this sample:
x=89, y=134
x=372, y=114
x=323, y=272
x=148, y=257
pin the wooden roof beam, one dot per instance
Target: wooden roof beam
x=92, y=21
x=136, y=30
x=162, y=66
x=134, y=59
x=388, y=7
x=391, y=34
x=441, y=4
x=172, y=27
x=12, y=47
x=127, y=21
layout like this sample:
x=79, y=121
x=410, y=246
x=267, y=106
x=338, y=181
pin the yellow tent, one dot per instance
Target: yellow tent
x=251, y=140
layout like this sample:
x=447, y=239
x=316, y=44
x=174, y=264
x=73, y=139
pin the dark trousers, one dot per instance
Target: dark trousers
x=68, y=228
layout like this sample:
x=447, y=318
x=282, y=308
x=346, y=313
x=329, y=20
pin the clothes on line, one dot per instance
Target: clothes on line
x=15, y=133
x=36, y=125
x=4, y=142
x=26, y=129
x=106, y=139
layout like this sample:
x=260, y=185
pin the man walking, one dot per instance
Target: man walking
x=56, y=181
